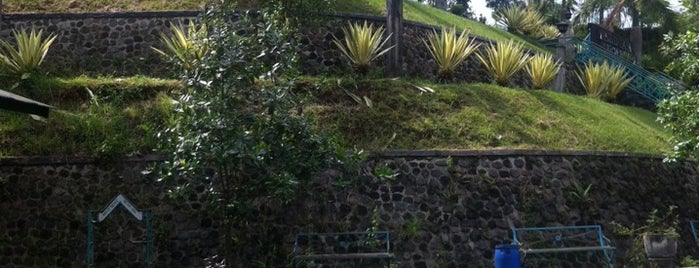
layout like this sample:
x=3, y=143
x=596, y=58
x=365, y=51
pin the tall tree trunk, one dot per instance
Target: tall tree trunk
x=394, y=27
x=636, y=35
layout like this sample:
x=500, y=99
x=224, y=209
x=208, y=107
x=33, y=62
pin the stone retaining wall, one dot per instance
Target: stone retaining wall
x=443, y=208
x=120, y=44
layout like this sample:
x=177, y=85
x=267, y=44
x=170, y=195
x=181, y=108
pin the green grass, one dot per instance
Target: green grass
x=125, y=114
x=483, y=116
x=93, y=116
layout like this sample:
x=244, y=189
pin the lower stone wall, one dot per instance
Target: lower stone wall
x=443, y=208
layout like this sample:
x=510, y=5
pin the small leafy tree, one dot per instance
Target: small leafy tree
x=238, y=119
x=679, y=115
x=449, y=50
x=684, y=52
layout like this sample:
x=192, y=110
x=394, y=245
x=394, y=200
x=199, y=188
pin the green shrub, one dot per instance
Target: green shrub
x=542, y=69
x=449, y=51
x=503, y=61
x=31, y=50
x=363, y=44
x=603, y=80
x=186, y=47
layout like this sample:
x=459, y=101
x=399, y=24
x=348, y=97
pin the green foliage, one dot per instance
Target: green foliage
x=688, y=261
x=503, y=61
x=449, y=51
x=363, y=44
x=603, y=80
x=542, y=70
x=680, y=116
x=186, y=47
x=411, y=228
x=238, y=118
x=31, y=50
x=684, y=52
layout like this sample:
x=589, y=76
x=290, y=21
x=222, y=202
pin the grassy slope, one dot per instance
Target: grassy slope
x=462, y=116
x=479, y=116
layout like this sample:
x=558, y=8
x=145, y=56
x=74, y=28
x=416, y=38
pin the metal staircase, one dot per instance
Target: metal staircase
x=601, y=45
x=652, y=86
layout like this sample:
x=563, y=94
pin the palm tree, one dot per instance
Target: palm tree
x=593, y=10
x=644, y=12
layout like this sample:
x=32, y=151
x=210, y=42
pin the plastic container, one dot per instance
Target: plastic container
x=507, y=256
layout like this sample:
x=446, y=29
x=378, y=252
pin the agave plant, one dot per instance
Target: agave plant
x=603, y=80
x=187, y=45
x=29, y=54
x=547, y=32
x=617, y=80
x=518, y=19
x=542, y=69
x=449, y=50
x=503, y=61
x=363, y=44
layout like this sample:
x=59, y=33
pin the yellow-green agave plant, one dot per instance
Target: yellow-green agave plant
x=542, y=69
x=503, y=60
x=449, y=50
x=29, y=54
x=362, y=45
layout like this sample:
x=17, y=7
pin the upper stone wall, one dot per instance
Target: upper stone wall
x=120, y=44
x=104, y=43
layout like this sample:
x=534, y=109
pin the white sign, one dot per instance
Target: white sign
x=120, y=199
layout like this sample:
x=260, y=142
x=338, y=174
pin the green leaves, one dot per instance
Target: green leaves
x=503, y=60
x=542, y=70
x=603, y=80
x=31, y=50
x=363, y=44
x=680, y=116
x=684, y=52
x=449, y=51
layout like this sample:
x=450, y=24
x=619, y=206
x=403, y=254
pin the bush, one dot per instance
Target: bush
x=503, y=61
x=449, y=51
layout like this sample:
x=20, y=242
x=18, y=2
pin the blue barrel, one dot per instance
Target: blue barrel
x=507, y=256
